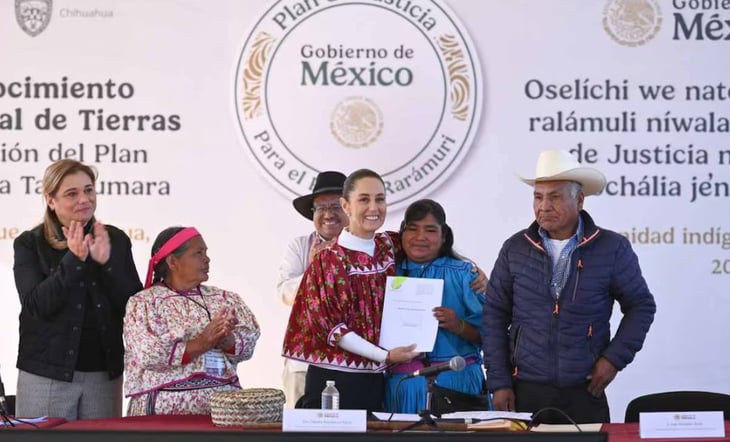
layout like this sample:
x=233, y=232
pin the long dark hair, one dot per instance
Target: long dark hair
x=422, y=208
x=162, y=270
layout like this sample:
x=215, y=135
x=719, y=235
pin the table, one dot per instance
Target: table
x=48, y=423
x=616, y=432
x=204, y=423
x=630, y=432
x=158, y=423
x=201, y=429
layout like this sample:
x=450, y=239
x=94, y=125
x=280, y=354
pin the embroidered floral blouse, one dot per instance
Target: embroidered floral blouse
x=341, y=291
x=158, y=323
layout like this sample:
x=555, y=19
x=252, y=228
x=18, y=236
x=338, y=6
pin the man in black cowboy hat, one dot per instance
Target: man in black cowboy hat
x=322, y=206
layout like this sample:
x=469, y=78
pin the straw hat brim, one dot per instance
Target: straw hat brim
x=592, y=180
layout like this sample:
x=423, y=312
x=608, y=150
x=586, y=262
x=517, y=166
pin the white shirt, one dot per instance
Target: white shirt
x=292, y=268
x=558, y=246
x=293, y=265
x=352, y=242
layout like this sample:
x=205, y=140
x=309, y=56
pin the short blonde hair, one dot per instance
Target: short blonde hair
x=52, y=178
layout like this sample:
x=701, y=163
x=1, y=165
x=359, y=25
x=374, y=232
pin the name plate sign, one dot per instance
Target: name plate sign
x=299, y=419
x=686, y=424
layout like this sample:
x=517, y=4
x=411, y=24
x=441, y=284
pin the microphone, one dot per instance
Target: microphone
x=457, y=363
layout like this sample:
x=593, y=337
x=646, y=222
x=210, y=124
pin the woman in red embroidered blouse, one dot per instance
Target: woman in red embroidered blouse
x=335, y=320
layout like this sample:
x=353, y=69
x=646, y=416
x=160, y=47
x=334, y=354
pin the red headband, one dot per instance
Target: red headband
x=170, y=246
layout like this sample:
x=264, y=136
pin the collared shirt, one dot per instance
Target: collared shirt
x=293, y=264
x=560, y=258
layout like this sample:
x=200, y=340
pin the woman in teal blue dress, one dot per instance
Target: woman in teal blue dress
x=428, y=245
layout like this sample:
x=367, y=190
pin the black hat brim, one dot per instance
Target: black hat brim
x=305, y=203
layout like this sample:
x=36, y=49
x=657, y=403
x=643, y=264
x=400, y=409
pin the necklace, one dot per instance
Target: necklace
x=406, y=272
x=187, y=294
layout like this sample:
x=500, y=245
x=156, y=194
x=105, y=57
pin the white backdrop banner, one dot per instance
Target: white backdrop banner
x=218, y=114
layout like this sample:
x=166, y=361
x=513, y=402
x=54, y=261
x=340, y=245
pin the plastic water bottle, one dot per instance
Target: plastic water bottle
x=330, y=397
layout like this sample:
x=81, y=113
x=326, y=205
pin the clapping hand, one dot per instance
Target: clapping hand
x=231, y=321
x=99, y=245
x=75, y=240
x=96, y=245
x=213, y=333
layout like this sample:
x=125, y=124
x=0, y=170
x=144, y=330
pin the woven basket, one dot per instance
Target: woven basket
x=241, y=407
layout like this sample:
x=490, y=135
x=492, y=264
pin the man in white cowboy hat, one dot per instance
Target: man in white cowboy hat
x=546, y=333
x=322, y=207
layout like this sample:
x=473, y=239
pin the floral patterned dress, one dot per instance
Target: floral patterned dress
x=158, y=323
x=341, y=291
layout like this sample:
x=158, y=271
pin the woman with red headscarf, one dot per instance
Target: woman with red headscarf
x=183, y=339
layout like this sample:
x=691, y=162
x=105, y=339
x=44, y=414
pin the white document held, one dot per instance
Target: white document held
x=408, y=312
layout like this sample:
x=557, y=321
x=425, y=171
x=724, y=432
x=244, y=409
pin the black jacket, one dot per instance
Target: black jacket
x=60, y=294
